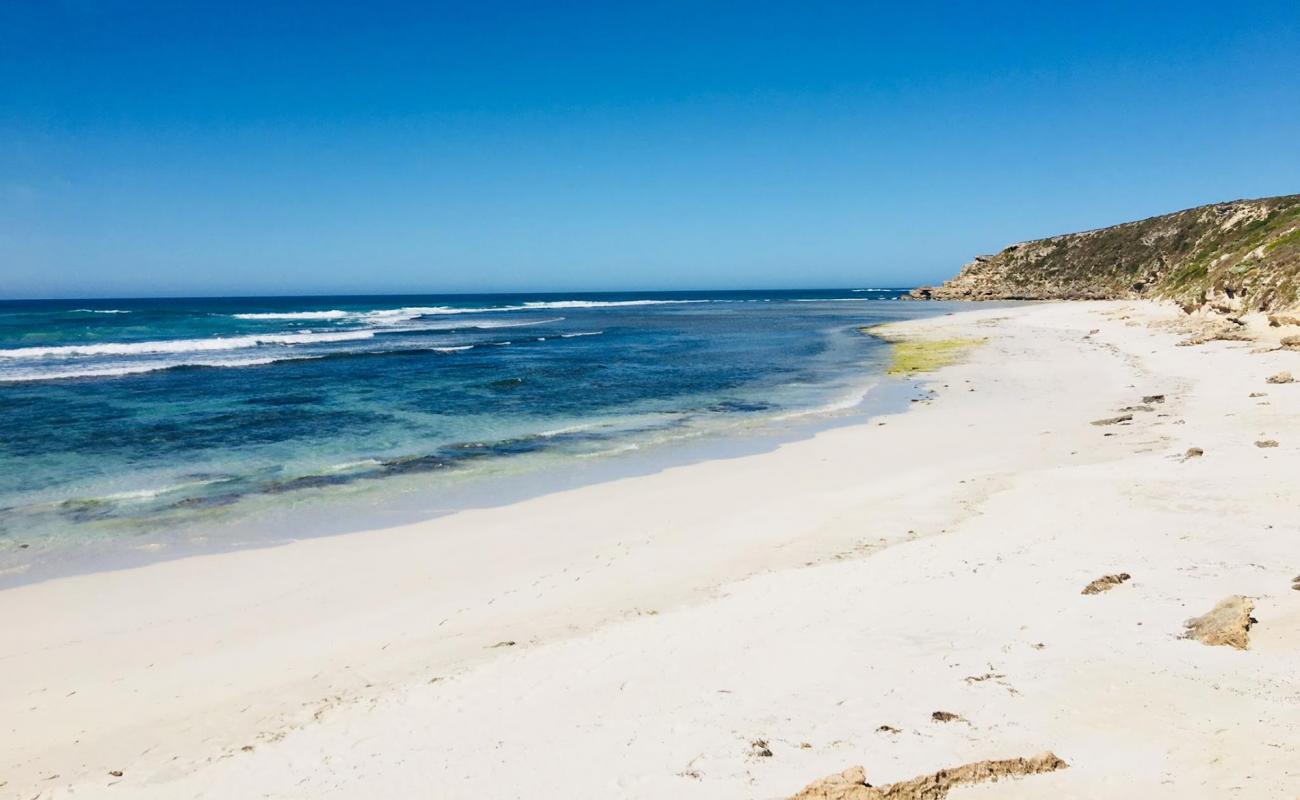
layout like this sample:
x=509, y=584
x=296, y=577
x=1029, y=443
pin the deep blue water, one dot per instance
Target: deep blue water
x=130, y=418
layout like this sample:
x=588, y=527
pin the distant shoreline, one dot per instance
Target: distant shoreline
x=463, y=295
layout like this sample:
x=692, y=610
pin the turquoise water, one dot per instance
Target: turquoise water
x=137, y=424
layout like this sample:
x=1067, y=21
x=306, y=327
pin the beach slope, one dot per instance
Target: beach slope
x=1002, y=574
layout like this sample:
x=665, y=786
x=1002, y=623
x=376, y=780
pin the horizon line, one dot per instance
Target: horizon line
x=327, y=295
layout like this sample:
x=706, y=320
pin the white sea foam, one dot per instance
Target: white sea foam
x=149, y=494
x=348, y=466
x=845, y=402
x=490, y=325
x=580, y=333
x=98, y=311
x=605, y=303
x=332, y=314
x=406, y=313
x=456, y=349
x=136, y=368
x=569, y=429
x=626, y=448
x=185, y=345
x=382, y=316
x=396, y=316
x=412, y=312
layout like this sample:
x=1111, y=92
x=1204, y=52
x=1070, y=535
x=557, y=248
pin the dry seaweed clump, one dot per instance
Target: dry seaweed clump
x=1105, y=583
x=851, y=784
x=1228, y=623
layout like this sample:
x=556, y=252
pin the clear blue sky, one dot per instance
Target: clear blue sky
x=307, y=147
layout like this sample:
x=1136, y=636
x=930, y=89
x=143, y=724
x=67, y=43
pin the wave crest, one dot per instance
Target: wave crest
x=270, y=315
x=167, y=346
x=605, y=303
x=139, y=368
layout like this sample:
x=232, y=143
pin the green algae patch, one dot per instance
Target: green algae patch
x=909, y=356
x=926, y=355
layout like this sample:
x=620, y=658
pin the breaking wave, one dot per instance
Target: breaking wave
x=184, y=345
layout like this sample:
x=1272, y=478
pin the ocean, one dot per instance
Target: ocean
x=136, y=429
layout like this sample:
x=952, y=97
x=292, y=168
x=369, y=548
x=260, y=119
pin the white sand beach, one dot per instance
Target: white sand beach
x=740, y=628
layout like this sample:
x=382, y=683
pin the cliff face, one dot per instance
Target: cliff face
x=1239, y=256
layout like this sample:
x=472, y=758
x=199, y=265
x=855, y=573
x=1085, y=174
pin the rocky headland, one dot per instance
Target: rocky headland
x=1236, y=257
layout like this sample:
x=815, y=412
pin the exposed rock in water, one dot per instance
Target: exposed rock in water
x=1193, y=452
x=945, y=716
x=1105, y=583
x=1228, y=623
x=1281, y=377
x=851, y=784
x=1266, y=443
x=1229, y=257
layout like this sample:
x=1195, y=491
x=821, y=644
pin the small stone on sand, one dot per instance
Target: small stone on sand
x=1113, y=420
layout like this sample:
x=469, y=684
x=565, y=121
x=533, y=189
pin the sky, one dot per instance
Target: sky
x=317, y=147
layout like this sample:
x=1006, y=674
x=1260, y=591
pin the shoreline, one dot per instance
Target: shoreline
x=387, y=424
x=638, y=637
x=329, y=515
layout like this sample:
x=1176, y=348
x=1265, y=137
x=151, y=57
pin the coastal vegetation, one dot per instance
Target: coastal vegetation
x=1236, y=256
